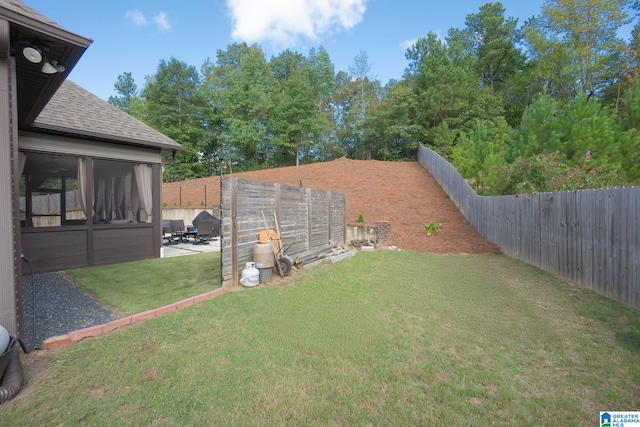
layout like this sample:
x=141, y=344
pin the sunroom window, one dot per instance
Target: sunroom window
x=49, y=195
x=55, y=191
x=122, y=192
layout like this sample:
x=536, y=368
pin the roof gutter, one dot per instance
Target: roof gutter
x=49, y=28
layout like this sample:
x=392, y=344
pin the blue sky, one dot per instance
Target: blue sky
x=134, y=35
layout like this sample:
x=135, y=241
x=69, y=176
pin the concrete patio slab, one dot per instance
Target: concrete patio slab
x=188, y=248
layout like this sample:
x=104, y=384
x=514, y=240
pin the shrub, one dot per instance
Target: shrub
x=432, y=228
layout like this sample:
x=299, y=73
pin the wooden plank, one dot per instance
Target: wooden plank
x=233, y=194
x=634, y=243
x=586, y=233
x=310, y=216
x=575, y=242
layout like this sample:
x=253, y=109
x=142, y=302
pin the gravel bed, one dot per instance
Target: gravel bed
x=60, y=308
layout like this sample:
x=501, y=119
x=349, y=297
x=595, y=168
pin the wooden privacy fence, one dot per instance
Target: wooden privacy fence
x=49, y=203
x=308, y=219
x=590, y=237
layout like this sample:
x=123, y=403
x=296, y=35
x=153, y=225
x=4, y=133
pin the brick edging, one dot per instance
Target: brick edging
x=94, y=331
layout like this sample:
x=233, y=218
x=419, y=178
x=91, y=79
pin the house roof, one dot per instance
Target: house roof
x=21, y=13
x=75, y=112
x=27, y=27
x=48, y=103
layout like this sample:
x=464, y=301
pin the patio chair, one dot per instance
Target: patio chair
x=204, y=232
x=178, y=232
x=167, y=236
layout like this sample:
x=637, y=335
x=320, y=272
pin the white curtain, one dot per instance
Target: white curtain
x=22, y=160
x=109, y=197
x=122, y=180
x=144, y=184
x=135, y=201
x=99, y=201
x=82, y=185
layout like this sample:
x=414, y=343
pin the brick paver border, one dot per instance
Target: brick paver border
x=94, y=331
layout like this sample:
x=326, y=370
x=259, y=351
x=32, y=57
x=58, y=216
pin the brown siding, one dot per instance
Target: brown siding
x=111, y=245
x=55, y=249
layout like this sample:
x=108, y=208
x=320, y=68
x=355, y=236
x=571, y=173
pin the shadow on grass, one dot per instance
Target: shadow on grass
x=629, y=340
x=621, y=321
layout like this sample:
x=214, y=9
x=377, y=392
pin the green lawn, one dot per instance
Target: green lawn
x=385, y=338
x=137, y=286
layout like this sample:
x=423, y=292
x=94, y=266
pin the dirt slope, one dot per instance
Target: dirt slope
x=403, y=193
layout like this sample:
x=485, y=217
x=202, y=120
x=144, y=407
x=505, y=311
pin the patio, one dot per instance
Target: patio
x=188, y=248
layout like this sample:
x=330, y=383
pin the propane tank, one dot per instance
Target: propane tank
x=250, y=275
x=4, y=340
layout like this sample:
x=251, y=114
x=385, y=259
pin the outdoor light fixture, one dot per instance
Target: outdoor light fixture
x=33, y=54
x=47, y=68
x=52, y=67
x=59, y=67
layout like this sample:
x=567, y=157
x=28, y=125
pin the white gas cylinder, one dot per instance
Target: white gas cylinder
x=250, y=275
x=4, y=340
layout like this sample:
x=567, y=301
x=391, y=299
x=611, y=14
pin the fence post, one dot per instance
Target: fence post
x=278, y=209
x=309, y=219
x=344, y=218
x=233, y=193
x=329, y=216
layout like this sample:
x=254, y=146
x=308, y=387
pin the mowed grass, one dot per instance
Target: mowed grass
x=136, y=286
x=385, y=338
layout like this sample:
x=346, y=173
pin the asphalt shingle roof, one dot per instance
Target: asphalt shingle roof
x=74, y=111
x=24, y=10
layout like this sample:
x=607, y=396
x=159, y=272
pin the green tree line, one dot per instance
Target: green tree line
x=549, y=104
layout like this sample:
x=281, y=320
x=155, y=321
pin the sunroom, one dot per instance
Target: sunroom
x=80, y=180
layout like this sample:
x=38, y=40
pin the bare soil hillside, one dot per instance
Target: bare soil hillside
x=403, y=193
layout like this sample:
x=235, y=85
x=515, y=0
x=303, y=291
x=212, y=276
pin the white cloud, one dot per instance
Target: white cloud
x=162, y=21
x=136, y=17
x=407, y=44
x=282, y=21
